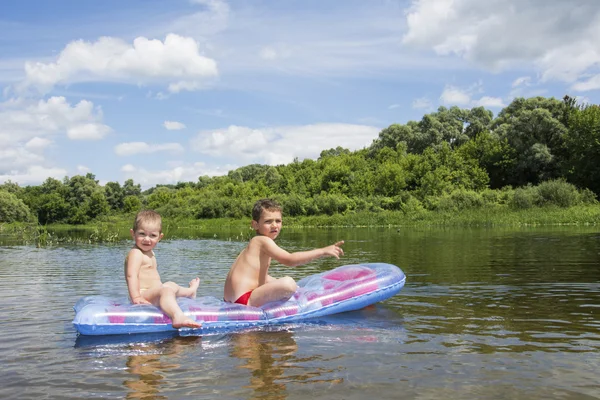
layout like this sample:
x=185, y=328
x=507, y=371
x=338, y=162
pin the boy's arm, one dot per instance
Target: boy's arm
x=134, y=263
x=300, y=257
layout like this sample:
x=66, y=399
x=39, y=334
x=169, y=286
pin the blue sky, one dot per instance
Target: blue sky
x=166, y=91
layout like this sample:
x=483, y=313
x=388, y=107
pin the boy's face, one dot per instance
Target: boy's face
x=269, y=224
x=146, y=236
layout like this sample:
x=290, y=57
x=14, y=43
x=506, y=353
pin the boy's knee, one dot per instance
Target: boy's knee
x=167, y=289
x=289, y=284
x=171, y=285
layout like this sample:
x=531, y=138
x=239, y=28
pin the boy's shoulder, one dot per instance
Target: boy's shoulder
x=134, y=251
x=259, y=241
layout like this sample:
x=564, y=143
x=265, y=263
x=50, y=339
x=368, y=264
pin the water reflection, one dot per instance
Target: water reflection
x=149, y=358
x=151, y=363
x=272, y=360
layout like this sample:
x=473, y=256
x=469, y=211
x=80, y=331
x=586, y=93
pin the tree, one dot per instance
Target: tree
x=493, y=155
x=53, y=208
x=11, y=187
x=114, y=195
x=13, y=209
x=533, y=128
x=478, y=120
x=582, y=142
x=131, y=204
x=131, y=189
x=334, y=152
x=390, y=179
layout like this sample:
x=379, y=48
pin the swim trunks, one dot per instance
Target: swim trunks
x=244, y=298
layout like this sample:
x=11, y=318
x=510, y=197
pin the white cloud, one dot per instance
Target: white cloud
x=14, y=159
x=521, y=81
x=82, y=169
x=490, y=102
x=37, y=144
x=88, y=131
x=32, y=175
x=268, y=53
x=559, y=38
x=391, y=107
x=29, y=127
x=590, y=84
x=422, y=103
x=173, y=125
x=453, y=96
x=131, y=148
x=280, y=145
x=176, y=61
x=22, y=120
x=177, y=173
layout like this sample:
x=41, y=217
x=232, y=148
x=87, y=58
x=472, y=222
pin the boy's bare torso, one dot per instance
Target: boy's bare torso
x=148, y=275
x=249, y=270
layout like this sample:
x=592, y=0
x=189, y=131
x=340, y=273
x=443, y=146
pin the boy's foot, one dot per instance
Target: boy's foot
x=194, y=283
x=186, y=322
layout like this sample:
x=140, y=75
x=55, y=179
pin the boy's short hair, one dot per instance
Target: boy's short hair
x=264, y=204
x=147, y=217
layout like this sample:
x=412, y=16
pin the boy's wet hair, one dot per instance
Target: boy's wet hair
x=264, y=204
x=147, y=217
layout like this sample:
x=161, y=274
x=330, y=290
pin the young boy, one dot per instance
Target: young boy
x=141, y=272
x=248, y=281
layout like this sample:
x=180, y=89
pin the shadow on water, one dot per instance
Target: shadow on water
x=98, y=342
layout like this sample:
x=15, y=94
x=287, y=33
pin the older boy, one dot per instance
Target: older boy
x=248, y=281
x=141, y=272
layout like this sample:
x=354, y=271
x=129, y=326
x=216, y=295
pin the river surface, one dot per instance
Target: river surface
x=485, y=313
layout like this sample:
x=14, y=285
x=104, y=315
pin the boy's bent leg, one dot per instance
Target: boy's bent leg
x=276, y=289
x=185, y=292
x=168, y=304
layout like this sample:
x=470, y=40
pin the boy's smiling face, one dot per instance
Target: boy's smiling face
x=147, y=236
x=269, y=224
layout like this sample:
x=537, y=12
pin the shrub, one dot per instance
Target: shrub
x=524, y=198
x=558, y=192
x=413, y=208
x=12, y=209
x=460, y=199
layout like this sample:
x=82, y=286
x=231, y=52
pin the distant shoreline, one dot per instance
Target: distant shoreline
x=116, y=228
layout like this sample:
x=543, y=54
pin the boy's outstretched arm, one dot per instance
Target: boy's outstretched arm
x=134, y=263
x=300, y=257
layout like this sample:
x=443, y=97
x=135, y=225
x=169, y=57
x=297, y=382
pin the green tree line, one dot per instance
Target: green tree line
x=536, y=151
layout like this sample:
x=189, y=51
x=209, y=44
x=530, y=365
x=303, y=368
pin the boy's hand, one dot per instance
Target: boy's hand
x=335, y=250
x=140, y=300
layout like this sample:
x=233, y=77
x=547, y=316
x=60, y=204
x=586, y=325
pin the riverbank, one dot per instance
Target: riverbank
x=116, y=228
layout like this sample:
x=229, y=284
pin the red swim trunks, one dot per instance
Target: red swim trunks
x=244, y=298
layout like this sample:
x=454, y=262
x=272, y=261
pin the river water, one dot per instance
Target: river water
x=485, y=313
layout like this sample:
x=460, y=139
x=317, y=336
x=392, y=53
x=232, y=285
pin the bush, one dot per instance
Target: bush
x=413, y=208
x=460, y=199
x=558, y=192
x=131, y=204
x=332, y=203
x=293, y=205
x=588, y=197
x=491, y=197
x=524, y=198
x=12, y=209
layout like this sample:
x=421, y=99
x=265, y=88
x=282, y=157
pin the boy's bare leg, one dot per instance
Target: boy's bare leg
x=167, y=301
x=185, y=292
x=273, y=290
x=191, y=291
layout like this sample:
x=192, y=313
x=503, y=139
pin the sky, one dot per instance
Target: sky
x=166, y=91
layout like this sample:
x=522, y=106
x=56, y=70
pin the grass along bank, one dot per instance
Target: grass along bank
x=116, y=228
